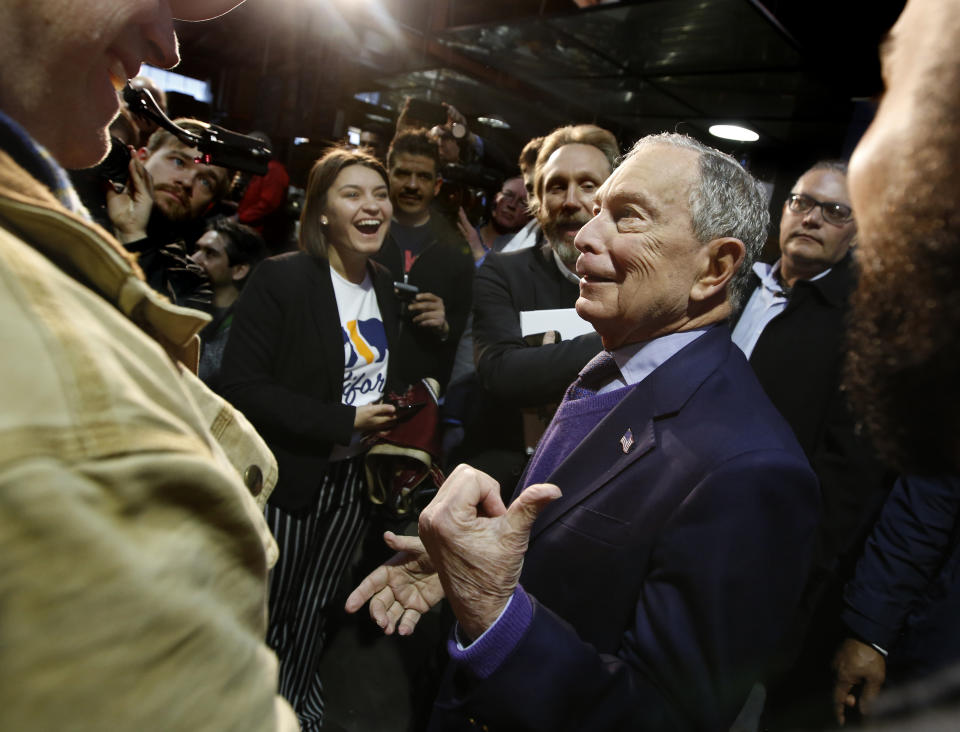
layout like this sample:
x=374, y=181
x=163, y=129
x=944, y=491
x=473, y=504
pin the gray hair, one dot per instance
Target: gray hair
x=726, y=201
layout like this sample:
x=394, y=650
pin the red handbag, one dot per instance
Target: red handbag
x=402, y=468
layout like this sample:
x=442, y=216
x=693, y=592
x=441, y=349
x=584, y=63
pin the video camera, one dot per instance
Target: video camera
x=469, y=186
x=217, y=146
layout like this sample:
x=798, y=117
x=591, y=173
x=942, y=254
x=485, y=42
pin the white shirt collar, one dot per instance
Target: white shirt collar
x=769, y=279
x=638, y=360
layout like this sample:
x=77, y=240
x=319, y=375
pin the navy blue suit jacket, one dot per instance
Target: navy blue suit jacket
x=905, y=595
x=665, y=575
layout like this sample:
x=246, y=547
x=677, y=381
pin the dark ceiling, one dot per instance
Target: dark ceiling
x=793, y=71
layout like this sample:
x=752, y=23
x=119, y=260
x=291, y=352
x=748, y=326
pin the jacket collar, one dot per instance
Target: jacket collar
x=835, y=287
x=91, y=256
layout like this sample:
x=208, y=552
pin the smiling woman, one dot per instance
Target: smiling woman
x=308, y=362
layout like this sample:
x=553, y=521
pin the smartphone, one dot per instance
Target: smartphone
x=406, y=292
x=427, y=112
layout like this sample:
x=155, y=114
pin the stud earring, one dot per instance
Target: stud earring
x=324, y=220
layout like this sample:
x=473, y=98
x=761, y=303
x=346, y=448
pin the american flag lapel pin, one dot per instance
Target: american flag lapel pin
x=626, y=442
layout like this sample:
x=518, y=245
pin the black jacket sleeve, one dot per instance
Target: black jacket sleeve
x=273, y=366
x=508, y=368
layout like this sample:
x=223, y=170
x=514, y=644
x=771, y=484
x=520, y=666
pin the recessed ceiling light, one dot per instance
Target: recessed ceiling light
x=734, y=132
x=494, y=122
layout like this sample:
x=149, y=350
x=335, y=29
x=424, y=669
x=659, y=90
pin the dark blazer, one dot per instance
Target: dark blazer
x=511, y=374
x=445, y=268
x=664, y=574
x=509, y=369
x=799, y=362
x=284, y=362
x=905, y=595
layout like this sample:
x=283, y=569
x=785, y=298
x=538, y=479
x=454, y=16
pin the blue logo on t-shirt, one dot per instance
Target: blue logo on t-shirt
x=364, y=344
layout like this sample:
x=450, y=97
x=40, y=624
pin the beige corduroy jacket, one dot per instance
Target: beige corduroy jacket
x=133, y=560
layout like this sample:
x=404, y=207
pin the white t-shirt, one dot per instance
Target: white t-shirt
x=364, y=350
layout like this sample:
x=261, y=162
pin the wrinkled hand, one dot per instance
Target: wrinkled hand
x=129, y=211
x=375, y=417
x=429, y=313
x=477, y=545
x=468, y=232
x=856, y=663
x=400, y=590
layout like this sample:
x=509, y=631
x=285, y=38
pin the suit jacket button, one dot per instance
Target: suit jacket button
x=253, y=479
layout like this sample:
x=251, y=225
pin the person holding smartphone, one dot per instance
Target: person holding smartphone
x=309, y=357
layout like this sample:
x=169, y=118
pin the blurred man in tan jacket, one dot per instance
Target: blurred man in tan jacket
x=133, y=557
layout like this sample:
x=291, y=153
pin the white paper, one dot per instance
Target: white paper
x=564, y=320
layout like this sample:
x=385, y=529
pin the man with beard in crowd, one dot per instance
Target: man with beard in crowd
x=159, y=215
x=517, y=374
x=904, y=599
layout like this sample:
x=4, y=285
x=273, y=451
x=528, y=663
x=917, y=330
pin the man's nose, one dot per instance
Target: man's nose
x=159, y=42
x=813, y=217
x=590, y=237
x=571, y=201
x=185, y=178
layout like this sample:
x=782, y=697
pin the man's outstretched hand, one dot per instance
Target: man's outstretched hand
x=400, y=590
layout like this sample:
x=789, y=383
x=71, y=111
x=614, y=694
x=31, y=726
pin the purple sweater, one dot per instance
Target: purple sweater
x=573, y=421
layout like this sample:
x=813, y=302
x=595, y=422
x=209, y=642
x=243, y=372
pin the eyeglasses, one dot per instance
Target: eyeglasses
x=834, y=213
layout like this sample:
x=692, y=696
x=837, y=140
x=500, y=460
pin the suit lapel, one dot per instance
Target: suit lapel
x=389, y=311
x=600, y=457
x=604, y=453
x=322, y=304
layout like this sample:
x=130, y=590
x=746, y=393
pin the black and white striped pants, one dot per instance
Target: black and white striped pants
x=315, y=550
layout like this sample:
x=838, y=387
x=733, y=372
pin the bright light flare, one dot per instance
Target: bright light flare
x=734, y=132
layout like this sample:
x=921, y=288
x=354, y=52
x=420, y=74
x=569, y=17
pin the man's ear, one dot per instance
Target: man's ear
x=437, y=186
x=239, y=271
x=721, y=260
x=143, y=154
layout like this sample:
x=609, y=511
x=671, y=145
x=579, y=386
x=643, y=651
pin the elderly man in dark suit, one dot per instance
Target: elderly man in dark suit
x=660, y=538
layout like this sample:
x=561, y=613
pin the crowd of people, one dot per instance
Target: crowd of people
x=685, y=489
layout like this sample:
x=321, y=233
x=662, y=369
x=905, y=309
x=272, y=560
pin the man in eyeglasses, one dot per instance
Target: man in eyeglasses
x=792, y=330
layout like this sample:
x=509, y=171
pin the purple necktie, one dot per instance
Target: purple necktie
x=595, y=374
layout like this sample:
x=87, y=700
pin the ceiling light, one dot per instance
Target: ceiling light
x=494, y=122
x=734, y=132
